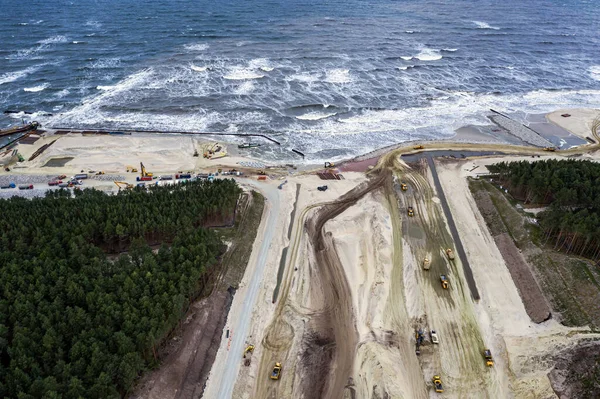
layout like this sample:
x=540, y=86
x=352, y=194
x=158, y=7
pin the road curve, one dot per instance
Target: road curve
x=225, y=381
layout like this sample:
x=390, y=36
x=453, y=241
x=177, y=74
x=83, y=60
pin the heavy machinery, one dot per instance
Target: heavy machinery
x=426, y=263
x=450, y=253
x=210, y=151
x=276, y=371
x=437, y=384
x=124, y=185
x=100, y=172
x=434, y=337
x=489, y=361
x=403, y=186
x=418, y=147
x=410, y=211
x=248, y=351
x=550, y=149
x=322, y=188
x=329, y=165
x=419, y=338
x=144, y=172
x=444, y=281
x=131, y=169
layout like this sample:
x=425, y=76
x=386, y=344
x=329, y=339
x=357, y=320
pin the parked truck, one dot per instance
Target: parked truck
x=9, y=185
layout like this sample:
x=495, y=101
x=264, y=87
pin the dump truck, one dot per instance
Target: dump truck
x=25, y=186
x=410, y=211
x=276, y=371
x=450, y=253
x=403, y=186
x=437, y=384
x=426, y=263
x=444, y=281
x=489, y=361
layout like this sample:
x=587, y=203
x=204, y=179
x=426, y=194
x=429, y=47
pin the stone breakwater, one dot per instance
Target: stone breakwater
x=523, y=132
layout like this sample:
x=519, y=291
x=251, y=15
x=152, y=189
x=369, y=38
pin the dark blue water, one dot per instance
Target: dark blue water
x=332, y=78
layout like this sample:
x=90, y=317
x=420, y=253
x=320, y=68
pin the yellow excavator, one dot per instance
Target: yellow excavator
x=131, y=169
x=403, y=186
x=145, y=173
x=210, y=150
x=249, y=350
x=124, y=185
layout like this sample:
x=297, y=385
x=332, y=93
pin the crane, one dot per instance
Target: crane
x=124, y=185
x=145, y=173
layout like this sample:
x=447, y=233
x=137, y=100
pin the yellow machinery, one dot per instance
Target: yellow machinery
x=101, y=172
x=437, y=384
x=418, y=147
x=209, y=151
x=410, y=211
x=276, y=371
x=329, y=164
x=489, y=361
x=145, y=173
x=403, y=186
x=551, y=149
x=124, y=185
x=131, y=169
x=444, y=281
x=249, y=350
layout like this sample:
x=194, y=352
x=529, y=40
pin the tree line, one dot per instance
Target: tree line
x=570, y=189
x=75, y=323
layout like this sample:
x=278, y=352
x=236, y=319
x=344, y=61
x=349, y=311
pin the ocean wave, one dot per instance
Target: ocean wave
x=484, y=25
x=77, y=42
x=12, y=76
x=245, y=88
x=302, y=77
x=105, y=63
x=198, y=69
x=105, y=88
x=595, y=72
x=93, y=24
x=338, y=75
x=54, y=39
x=35, y=89
x=450, y=50
x=242, y=74
x=406, y=57
x=62, y=93
x=266, y=68
x=33, y=51
x=405, y=67
x=196, y=46
x=428, y=54
x=315, y=116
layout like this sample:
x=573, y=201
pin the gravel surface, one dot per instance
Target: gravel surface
x=521, y=131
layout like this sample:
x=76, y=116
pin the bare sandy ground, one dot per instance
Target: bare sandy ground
x=579, y=123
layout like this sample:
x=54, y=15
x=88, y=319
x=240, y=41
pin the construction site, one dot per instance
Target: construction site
x=376, y=277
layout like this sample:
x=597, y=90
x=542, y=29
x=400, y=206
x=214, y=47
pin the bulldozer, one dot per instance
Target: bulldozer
x=329, y=165
x=403, y=186
x=437, y=384
x=444, y=281
x=410, y=211
x=276, y=373
x=131, y=169
x=489, y=361
x=418, y=147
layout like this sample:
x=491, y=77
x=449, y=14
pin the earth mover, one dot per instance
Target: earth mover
x=489, y=361
x=403, y=186
x=410, y=211
x=249, y=350
x=418, y=147
x=550, y=149
x=444, y=281
x=437, y=384
x=276, y=371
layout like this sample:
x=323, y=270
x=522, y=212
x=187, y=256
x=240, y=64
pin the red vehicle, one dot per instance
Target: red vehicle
x=54, y=182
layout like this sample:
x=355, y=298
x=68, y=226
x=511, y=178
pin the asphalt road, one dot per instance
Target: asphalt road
x=459, y=247
x=233, y=357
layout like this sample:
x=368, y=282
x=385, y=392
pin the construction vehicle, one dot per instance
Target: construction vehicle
x=123, y=185
x=426, y=263
x=322, y=188
x=131, y=169
x=550, y=149
x=210, y=151
x=444, y=281
x=276, y=371
x=196, y=152
x=434, y=337
x=9, y=185
x=489, y=361
x=329, y=164
x=450, y=253
x=61, y=177
x=403, y=186
x=419, y=338
x=418, y=147
x=100, y=172
x=248, y=351
x=410, y=211
x=437, y=384
x=20, y=157
x=145, y=173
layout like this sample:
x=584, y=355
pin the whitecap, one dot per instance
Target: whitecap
x=594, y=72
x=428, y=54
x=245, y=88
x=198, y=69
x=450, y=50
x=302, y=77
x=404, y=68
x=266, y=69
x=338, y=75
x=105, y=88
x=196, y=46
x=54, y=39
x=242, y=74
x=484, y=25
x=35, y=89
x=315, y=116
x=410, y=32
x=38, y=22
x=23, y=23
x=12, y=76
x=105, y=63
x=406, y=57
x=62, y=93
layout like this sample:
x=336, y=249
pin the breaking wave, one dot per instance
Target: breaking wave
x=484, y=25
x=315, y=116
x=35, y=89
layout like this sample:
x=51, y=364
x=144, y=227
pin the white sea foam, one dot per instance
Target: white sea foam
x=242, y=74
x=266, y=68
x=23, y=23
x=196, y=46
x=314, y=116
x=406, y=57
x=76, y=42
x=35, y=89
x=105, y=63
x=198, y=69
x=304, y=77
x=428, y=54
x=405, y=67
x=62, y=93
x=12, y=76
x=93, y=24
x=54, y=39
x=450, y=50
x=485, y=25
x=105, y=88
x=594, y=72
x=245, y=88
x=33, y=51
x=338, y=75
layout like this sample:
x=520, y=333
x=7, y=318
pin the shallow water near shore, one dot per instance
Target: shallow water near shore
x=332, y=80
